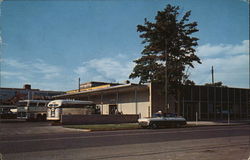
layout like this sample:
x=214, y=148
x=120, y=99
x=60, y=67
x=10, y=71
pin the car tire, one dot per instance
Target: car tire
x=153, y=126
x=144, y=127
x=178, y=125
x=39, y=117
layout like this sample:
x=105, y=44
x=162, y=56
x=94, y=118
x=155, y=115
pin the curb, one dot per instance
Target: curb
x=77, y=129
x=204, y=125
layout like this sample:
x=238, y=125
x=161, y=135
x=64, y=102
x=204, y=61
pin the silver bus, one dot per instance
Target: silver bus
x=57, y=108
x=32, y=109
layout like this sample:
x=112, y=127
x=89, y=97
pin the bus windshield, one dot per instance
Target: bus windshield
x=41, y=104
x=32, y=104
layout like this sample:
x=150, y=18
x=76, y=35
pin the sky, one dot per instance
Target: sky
x=50, y=44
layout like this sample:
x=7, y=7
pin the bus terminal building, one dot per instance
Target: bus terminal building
x=202, y=102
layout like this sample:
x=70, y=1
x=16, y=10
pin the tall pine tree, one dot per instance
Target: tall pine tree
x=169, y=47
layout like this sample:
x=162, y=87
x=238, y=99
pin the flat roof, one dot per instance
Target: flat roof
x=111, y=88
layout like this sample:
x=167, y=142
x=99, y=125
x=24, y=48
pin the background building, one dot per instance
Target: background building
x=10, y=96
x=215, y=102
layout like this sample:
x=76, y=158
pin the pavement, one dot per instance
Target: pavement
x=217, y=123
x=192, y=143
x=20, y=127
x=12, y=127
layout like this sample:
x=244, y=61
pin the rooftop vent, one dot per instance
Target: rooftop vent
x=126, y=82
x=27, y=86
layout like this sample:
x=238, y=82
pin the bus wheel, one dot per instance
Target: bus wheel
x=44, y=117
x=39, y=117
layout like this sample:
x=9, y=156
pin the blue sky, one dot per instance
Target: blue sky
x=49, y=44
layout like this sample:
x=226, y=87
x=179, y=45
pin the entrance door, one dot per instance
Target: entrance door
x=112, y=109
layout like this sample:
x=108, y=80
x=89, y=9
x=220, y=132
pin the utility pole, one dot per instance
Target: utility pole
x=1, y=51
x=228, y=108
x=79, y=83
x=212, y=75
x=166, y=77
x=1, y=61
x=214, y=104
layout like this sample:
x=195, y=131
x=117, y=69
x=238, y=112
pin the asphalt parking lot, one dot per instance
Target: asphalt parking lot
x=20, y=127
x=39, y=140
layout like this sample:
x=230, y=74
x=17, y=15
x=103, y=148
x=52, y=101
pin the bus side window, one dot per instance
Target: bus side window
x=41, y=104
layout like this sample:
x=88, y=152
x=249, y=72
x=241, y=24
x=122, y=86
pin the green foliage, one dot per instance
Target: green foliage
x=216, y=84
x=168, y=44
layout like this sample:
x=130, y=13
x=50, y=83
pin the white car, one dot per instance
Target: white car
x=171, y=120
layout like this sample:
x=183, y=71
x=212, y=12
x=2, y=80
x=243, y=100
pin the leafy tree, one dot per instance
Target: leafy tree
x=169, y=47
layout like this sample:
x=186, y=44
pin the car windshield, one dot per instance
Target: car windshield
x=155, y=115
x=171, y=115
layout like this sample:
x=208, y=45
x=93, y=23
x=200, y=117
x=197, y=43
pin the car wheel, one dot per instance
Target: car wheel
x=144, y=127
x=153, y=126
x=178, y=125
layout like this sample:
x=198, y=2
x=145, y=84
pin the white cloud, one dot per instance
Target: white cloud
x=7, y=74
x=51, y=77
x=38, y=66
x=36, y=72
x=15, y=63
x=247, y=1
x=116, y=69
x=209, y=50
x=81, y=70
x=17, y=75
x=1, y=8
x=1, y=40
x=49, y=71
x=230, y=62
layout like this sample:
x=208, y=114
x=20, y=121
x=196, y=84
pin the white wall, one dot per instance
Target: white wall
x=129, y=102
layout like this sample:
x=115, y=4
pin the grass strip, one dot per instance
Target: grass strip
x=105, y=127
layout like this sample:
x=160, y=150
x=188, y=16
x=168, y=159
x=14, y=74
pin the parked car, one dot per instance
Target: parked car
x=165, y=120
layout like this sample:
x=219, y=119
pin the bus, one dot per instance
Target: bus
x=32, y=109
x=57, y=108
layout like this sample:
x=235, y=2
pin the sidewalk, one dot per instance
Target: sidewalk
x=216, y=123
